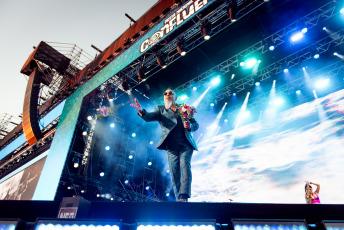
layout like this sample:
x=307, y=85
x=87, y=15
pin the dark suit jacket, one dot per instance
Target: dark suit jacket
x=167, y=122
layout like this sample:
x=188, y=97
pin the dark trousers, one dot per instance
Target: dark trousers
x=179, y=162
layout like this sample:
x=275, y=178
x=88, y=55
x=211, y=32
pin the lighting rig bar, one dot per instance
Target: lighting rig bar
x=326, y=12
x=292, y=60
x=332, y=70
x=218, y=18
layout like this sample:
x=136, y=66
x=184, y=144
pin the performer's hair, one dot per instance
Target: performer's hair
x=307, y=186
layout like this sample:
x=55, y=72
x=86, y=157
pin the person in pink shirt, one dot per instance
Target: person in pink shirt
x=312, y=197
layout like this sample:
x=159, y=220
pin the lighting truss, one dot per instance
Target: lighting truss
x=294, y=59
x=325, y=12
x=192, y=37
x=332, y=70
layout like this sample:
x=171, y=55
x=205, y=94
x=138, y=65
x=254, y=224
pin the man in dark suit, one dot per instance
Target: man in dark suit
x=176, y=138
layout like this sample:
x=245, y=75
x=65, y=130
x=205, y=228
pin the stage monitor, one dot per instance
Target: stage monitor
x=177, y=225
x=71, y=224
x=333, y=224
x=268, y=224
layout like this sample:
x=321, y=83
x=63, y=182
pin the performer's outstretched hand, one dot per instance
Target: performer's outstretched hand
x=137, y=106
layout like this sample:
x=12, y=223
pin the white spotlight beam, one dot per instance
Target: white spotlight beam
x=198, y=101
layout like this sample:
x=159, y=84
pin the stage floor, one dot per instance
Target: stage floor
x=130, y=212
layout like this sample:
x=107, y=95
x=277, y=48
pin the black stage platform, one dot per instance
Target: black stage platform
x=129, y=212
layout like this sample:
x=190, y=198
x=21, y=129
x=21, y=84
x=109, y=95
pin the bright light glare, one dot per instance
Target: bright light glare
x=101, y=174
x=107, y=148
x=84, y=133
x=246, y=114
x=298, y=91
x=147, y=187
x=150, y=163
x=242, y=63
x=183, y=97
x=168, y=194
x=133, y=135
x=89, y=118
x=151, y=142
x=297, y=37
x=215, y=81
x=316, y=56
x=304, y=30
x=126, y=182
x=322, y=83
x=250, y=62
x=226, y=120
x=342, y=11
x=130, y=157
x=278, y=101
x=286, y=70
x=194, y=88
x=211, y=104
x=257, y=83
x=272, y=48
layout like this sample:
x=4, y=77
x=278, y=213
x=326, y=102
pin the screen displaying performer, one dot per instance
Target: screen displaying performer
x=312, y=197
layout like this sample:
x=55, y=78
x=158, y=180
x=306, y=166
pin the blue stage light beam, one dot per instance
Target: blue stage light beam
x=242, y=111
x=212, y=129
x=183, y=97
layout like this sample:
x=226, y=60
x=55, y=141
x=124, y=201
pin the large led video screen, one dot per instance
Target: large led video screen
x=22, y=185
x=268, y=161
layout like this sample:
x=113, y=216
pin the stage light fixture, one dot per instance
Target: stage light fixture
x=304, y=30
x=316, y=56
x=101, y=174
x=178, y=225
x=297, y=36
x=45, y=224
x=181, y=44
x=226, y=120
x=75, y=162
x=232, y=10
x=212, y=104
x=286, y=70
x=167, y=194
x=272, y=48
x=251, y=62
x=342, y=11
x=125, y=84
x=298, y=91
x=257, y=83
x=151, y=142
x=126, y=181
x=133, y=134
x=322, y=83
x=242, y=64
x=112, y=125
x=206, y=30
x=335, y=53
x=141, y=73
x=89, y=118
x=215, y=81
x=278, y=101
x=161, y=59
x=147, y=187
x=130, y=156
x=240, y=224
x=194, y=88
x=107, y=148
x=149, y=163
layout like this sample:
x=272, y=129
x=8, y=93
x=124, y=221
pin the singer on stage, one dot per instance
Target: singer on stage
x=176, y=139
